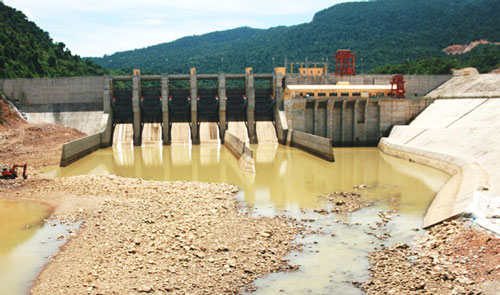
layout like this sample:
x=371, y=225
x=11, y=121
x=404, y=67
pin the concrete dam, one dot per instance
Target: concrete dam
x=203, y=108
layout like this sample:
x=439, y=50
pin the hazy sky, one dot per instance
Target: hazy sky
x=98, y=27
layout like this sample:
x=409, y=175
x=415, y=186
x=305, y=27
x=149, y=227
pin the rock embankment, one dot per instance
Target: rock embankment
x=156, y=237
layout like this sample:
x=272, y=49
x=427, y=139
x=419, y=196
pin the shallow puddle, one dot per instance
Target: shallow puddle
x=289, y=181
x=26, y=244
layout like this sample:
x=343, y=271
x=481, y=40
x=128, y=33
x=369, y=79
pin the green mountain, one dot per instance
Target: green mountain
x=27, y=51
x=380, y=32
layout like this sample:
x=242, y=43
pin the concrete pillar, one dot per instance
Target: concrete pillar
x=222, y=105
x=365, y=121
x=316, y=116
x=342, y=119
x=278, y=90
x=164, y=109
x=136, y=109
x=194, y=106
x=320, y=118
x=355, y=122
x=329, y=119
x=107, y=135
x=379, y=120
x=107, y=94
x=250, y=92
x=309, y=117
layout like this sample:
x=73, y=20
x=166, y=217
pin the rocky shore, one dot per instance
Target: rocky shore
x=451, y=258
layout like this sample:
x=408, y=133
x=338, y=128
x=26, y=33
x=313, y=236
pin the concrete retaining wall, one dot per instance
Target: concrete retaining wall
x=79, y=148
x=241, y=151
x=464, y=133
x=316, y=145
x=281, y=126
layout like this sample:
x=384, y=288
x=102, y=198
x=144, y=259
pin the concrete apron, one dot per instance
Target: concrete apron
x=465, y=193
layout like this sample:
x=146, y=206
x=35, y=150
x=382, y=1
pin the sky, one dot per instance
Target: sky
x=98, y=27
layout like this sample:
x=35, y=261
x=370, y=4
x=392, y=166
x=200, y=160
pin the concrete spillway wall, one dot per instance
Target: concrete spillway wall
x=462, y=138
x=351, y=122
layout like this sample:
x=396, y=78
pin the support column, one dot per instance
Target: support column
x=379, y=121
x=365, y=121
x=107, y=135
x=278, y=90
x=107, y=94
x=250, y=91
x=136, y=108
x=342, y=123
x=222, y=105
x=316, y=120
x=164, y=109
x=194, y=106
x=355, y=140
x=329, y=119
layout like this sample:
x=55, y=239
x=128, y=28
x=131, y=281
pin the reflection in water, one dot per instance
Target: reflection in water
x=22, y=254
x=293, y=179
x=289, y=179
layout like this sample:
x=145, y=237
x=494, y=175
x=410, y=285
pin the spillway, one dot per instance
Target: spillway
x=123, y=134
x=152, y=134
x=266, y=132
x=180, y=134
x=240, y=130
x=209, y=133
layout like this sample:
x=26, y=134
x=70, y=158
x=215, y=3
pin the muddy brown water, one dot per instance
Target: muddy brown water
x=26, y=243
x=289, y=181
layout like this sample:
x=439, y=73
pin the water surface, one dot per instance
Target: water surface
x=289, y=181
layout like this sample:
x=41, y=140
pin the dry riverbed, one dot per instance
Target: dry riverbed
x=155, y=237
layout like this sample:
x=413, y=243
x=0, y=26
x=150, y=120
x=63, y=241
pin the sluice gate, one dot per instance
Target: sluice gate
x=194, y=108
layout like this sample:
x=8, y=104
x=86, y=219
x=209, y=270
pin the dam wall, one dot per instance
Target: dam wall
x=461, y=137
x=75, y=102
x=351, y=122
x=91, y=103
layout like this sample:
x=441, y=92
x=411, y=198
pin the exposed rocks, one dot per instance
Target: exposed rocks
x=449, y=259
x=343, y=203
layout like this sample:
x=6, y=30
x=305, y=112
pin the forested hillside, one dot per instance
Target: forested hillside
x=485, y=58
x=28, y=51
x=380, y=32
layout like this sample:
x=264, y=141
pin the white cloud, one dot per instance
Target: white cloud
x=96, y=27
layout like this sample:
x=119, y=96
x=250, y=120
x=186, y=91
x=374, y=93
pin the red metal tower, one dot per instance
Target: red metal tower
x=398, y=86
x=344, y=62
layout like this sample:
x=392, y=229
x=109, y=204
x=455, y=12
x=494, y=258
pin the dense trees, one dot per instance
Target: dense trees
x=380, y=32
x=27, y=51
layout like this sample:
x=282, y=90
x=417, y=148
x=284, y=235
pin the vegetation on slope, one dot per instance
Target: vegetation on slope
x=27, y=51
x=380, y=32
